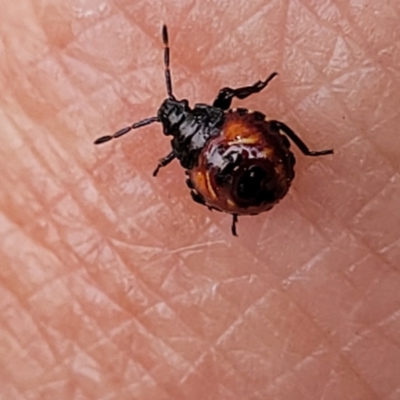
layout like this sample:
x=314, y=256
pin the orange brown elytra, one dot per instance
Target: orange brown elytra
x=235, y=160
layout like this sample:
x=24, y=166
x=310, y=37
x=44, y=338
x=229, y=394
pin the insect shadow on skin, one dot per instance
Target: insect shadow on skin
x=235, y=160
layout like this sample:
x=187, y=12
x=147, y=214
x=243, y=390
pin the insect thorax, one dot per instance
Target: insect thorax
x=190, y=128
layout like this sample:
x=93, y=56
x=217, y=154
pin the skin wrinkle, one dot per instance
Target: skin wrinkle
x=371, y=249
x=302, y=304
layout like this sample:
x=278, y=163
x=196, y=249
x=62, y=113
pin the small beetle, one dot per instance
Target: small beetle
x=235, y=160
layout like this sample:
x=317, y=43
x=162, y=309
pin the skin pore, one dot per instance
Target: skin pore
x=116, y=285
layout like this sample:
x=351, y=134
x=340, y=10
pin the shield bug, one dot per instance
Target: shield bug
x=235, y=160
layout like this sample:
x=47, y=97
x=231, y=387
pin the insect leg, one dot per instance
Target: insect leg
x=297, y=141
x=164, y=162
x=234, y=222
x=225, y=95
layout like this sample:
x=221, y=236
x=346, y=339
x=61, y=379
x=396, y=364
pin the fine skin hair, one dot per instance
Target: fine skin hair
x=116, y=285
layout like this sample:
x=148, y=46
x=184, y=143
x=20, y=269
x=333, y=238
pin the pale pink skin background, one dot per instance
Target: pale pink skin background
x=116, y=285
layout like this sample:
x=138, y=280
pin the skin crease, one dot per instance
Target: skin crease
x=115, y=285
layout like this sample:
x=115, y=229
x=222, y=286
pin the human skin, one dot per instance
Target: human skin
x=116, y=285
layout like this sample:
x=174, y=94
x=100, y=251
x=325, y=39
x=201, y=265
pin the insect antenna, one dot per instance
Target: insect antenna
x=166, y=62
x=127, y=129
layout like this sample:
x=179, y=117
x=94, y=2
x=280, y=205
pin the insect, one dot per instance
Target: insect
x=235, y=160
